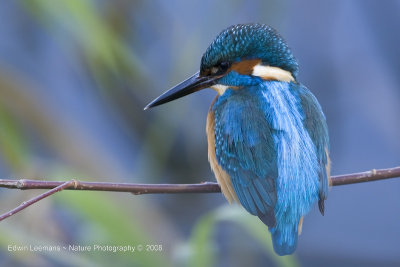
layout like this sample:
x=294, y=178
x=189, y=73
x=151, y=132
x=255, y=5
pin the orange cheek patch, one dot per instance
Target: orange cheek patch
x=245, y=67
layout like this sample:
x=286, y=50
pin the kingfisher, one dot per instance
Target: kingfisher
x=268, y=142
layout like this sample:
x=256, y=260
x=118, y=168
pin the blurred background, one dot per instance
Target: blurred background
x=75, y=76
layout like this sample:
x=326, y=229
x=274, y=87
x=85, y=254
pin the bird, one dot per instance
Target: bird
x=268, y=142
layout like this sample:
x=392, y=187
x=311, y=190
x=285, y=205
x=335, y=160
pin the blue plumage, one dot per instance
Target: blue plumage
x=267, y=135
x=250, y=41
x=245, y=149
x=264, y=145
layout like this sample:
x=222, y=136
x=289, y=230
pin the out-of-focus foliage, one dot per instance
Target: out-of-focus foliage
x=76, y=74
x=202, y=249
x=40, y=139
x=11, y=142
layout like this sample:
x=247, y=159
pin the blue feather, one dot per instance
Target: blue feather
x=246, y=151
x=275, y=164
x=315, y=123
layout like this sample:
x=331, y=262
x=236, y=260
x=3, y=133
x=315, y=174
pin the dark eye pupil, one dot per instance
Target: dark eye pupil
x=224, y=65
x=220, y=68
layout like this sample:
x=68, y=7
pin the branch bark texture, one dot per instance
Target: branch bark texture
x=204, y=187
x=138, y=189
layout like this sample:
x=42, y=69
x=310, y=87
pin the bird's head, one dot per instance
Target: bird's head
x=241, y=55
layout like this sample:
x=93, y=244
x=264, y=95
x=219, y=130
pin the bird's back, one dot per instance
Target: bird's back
x=263, y=144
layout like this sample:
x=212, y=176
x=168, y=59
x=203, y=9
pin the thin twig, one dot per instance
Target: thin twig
x=368, y=176
x=205, y=187
x=138, y=189
x=26, y=204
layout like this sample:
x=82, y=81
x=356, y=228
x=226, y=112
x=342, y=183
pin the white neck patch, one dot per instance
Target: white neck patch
x=220, y=88
x=272, y=73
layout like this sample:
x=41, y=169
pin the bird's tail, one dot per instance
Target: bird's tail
x=284, y=238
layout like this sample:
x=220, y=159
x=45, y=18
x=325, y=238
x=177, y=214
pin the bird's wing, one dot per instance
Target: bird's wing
x=244, y=149
x=315, y=123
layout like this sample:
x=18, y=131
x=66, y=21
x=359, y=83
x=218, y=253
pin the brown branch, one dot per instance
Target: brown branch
x=205, y=187
x=369, y=176
x=26, y=204
x=138, y=189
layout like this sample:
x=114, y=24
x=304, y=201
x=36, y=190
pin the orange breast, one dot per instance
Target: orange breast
x=223, y=178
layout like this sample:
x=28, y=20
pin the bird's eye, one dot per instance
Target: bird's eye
x=220, y=68
x=224, y=66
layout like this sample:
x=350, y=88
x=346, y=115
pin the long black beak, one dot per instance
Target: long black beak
x=188, y=86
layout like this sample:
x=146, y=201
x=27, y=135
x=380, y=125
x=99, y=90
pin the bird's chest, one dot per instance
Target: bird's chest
x=255, y=114
x=261, y=126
